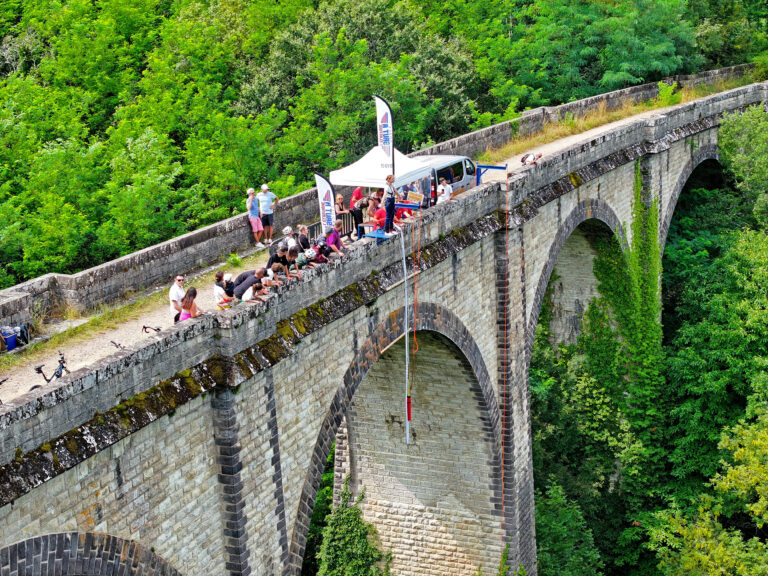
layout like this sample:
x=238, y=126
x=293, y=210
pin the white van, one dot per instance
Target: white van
x=459, y=171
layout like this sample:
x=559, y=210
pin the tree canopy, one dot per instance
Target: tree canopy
x=126, y=122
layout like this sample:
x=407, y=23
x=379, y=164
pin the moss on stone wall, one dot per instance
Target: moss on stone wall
x=29, y=470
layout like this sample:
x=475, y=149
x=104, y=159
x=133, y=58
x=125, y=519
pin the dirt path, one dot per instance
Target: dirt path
x=100, y=344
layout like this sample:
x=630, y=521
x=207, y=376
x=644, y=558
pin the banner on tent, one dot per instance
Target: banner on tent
x=325, y=196
x=385, y=130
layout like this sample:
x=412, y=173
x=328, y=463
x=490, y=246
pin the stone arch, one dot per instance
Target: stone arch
x=81, y=554
x=585, y=210
x=432, y=317
x=700, y=155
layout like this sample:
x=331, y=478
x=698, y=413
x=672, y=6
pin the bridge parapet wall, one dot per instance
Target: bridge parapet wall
x=590, y=158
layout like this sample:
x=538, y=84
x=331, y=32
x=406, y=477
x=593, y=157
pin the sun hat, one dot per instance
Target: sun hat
x=264, y=187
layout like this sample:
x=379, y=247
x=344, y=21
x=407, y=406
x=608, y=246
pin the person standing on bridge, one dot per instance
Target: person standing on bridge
x=253, y=216
x=267, y=202
x=176, y=295
x=390, y=194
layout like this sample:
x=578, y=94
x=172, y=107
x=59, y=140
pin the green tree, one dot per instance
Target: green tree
x=726, y=533
x=743, y=140
x=565, y=546
x=349, y=547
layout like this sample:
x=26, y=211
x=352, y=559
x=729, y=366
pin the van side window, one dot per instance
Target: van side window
x=470, y=167
x=457, y=171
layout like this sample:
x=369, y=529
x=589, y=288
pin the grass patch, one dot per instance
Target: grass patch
x=110, y=317
x=572, y=125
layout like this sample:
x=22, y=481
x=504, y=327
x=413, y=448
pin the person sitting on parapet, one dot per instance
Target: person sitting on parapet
x=530, y=159
x=289, y=236
x=223, y=300
x=333, y=239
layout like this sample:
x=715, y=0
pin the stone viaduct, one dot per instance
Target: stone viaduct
x=201, y=451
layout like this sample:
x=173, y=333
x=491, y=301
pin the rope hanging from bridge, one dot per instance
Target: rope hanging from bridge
x=405, y=334
x=416, y=259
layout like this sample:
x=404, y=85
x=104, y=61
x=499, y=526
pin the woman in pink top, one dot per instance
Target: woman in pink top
x=189, y=309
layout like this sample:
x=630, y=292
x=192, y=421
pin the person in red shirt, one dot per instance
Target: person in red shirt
x=357, y=194
x=379, y=218
x=403, y=214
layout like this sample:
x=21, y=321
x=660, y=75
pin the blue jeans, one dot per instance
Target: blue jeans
x=389, y=206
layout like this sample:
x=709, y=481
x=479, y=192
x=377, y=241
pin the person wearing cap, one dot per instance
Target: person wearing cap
x=267, y=202
x=253, y=216
x=281, y=257
x=289, y=237
x=223, y=301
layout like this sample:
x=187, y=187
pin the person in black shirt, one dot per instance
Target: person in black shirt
x=279, y=256
x=243, y=276
x=304, y=238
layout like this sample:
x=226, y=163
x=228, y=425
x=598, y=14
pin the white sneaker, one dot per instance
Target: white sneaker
x=268, y=241
x=389, y=234
x=259, y=245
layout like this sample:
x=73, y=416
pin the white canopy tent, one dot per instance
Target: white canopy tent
x=373, y=168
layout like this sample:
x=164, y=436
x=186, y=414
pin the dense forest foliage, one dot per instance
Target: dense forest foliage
x=651, y=443
x=126, y=122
